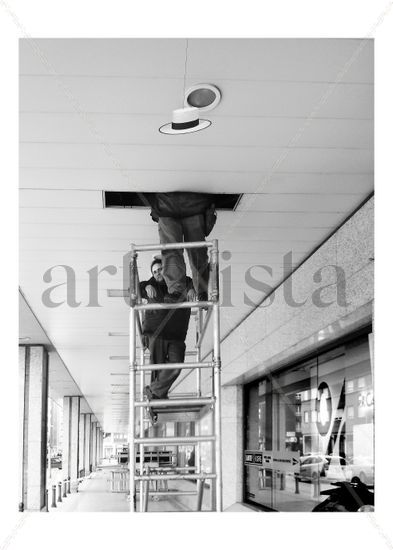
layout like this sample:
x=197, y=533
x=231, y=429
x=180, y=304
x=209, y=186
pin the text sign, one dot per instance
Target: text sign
x=253, y=458
x=285, y=461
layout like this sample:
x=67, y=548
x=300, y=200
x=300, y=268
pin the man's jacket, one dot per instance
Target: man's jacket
x=171, y=324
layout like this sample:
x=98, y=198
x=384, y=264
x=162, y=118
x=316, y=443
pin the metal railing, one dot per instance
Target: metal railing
x=206, y=311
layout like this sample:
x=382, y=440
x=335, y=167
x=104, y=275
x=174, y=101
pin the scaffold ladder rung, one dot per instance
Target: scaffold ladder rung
x=171, y=366
x=161, y=477
x=157, y=403
x=186, y=440
x=178, y=305
x=170, y=493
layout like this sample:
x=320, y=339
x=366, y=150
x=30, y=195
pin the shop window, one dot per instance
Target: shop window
x=350, y=386
x=323, y=409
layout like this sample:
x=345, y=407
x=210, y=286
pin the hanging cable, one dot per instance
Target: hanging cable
x=185, y=75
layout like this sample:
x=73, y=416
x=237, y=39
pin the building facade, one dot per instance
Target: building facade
x=305, y=383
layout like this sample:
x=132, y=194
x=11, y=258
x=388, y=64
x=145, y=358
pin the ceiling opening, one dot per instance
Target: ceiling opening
x=127, y=199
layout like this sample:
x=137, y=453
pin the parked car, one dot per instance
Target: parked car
x=363, y=468
x=56, y=462
x=333, y=467
x=338, y=468
x=312, y=467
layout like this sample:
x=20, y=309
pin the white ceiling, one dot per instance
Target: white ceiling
x=60, y=380
x=293, y=132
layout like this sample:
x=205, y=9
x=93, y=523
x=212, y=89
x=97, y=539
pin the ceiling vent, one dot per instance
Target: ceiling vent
x=127, y=199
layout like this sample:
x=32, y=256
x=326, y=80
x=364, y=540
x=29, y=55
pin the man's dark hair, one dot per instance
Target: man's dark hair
x=154, y=262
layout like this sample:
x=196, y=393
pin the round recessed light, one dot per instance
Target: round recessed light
x=203, y=96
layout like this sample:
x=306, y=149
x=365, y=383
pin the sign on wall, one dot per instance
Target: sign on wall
x=285, y=461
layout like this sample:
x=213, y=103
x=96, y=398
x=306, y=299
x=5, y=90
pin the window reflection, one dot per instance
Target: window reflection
x=325, y=410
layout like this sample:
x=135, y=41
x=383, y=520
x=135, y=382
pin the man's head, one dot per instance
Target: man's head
x=156, y=269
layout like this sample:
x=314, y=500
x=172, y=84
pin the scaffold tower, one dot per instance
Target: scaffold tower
x=144, y=473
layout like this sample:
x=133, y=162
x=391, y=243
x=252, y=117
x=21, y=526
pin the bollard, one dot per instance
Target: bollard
x=69, y=485
x=46, y=500
x=59, y=496
x=297, y=485
x=54, y=496
x=200, y=487
x=282, y=482
x=315, y=482
x=65, y=489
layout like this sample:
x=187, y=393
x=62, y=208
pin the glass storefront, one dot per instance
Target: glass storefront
x=323, y=408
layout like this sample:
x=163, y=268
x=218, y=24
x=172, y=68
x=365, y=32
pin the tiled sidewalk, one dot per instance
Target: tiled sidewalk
x=94, y=495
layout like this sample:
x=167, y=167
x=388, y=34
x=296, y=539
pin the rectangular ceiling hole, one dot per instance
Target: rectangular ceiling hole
x=126, y=199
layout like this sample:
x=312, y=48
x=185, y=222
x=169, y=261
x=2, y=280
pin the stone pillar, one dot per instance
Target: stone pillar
x=232, y=444
x=87, y=452
x=71, y=416
x=98, y=446
x=33, y=393
x=82, y=421
x=94, y=445
x=101, y=454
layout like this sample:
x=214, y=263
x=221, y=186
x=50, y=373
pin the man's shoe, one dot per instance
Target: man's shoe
x=153, y=415
x=174, y=298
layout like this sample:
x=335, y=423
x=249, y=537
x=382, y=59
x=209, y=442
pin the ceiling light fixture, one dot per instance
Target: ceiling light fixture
x=203, y=96
x=185, y=120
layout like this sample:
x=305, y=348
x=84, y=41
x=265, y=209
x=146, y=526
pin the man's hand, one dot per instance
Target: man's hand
x=191, y=295
x=151, y=292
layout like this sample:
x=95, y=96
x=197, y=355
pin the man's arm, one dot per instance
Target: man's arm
x=148, y=290
x=191, y=294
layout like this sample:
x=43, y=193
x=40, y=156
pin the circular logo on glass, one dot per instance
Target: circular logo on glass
x=324, y=408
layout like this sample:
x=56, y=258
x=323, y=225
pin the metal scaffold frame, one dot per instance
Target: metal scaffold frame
x=205, y=310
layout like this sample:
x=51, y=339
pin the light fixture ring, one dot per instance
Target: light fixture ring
x=203, y=96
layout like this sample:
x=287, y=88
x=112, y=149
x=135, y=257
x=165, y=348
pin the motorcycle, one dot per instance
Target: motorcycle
x=348, y=496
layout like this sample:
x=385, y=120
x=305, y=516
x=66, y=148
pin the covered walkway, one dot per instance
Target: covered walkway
x=94, y=495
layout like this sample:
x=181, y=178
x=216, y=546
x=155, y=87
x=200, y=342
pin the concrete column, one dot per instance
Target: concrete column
x=33, y=392
x=232, y=444
x=87, y=452
x=101, y=454
x=82, y=421
x=94, y=445
x=71, y=416
x=98, y=445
